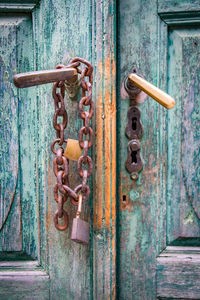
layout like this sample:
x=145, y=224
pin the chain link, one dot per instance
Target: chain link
x=62, y=189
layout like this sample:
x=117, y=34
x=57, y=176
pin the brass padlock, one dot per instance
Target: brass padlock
x=73, y=150
x=80, y=228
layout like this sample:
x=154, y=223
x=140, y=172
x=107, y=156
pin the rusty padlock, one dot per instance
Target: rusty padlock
x=80, y=228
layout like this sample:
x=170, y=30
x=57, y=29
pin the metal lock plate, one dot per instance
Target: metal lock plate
x=134, y=162
x=134, y=126
x=80, y=231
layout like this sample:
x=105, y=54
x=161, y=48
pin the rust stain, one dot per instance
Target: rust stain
x=99, y=157
x=106, y=163
x=109, y=121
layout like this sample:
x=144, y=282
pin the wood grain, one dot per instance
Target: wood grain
x=16, y=285
x=53, y=33
x=104, y=238
x=161, y=206
x=141, y=218
x=43, y=41
x=61, y=30
x=178, y=273
x=178, y=6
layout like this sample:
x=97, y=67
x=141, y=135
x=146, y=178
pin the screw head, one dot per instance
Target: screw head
x=134, y=176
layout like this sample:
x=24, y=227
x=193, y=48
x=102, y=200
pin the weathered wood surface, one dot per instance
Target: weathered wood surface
x=104, y=199
x=9, y=162
x=183, y=124
x=141, y=221
x=43, y=40
x=155, y=210
x=19, y=6
x=165, y=6
x=17, y=285
x=18, y=152
x=178, y=273
x=62, y=30
x=56, y=31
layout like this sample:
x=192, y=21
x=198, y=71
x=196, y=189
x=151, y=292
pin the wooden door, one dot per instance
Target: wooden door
x=36, y=260
x=158, y=215
x=144, y=241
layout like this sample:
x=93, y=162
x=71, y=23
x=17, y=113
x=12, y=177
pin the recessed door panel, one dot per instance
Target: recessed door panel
x=183, y=189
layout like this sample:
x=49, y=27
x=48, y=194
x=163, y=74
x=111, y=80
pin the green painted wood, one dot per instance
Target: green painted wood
x=104, y=202
x=45, y=38
x=27, y=125
x=182, y=19
x=17, y=5
x=62, y=30
x=162, y=206
x=146, y=221
x=19, y=202
x=9, y=162
x=16, y=285
x=183, y=126
x=178, y=6
x=178, y=272
x=141, y=220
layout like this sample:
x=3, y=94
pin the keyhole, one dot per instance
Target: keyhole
x=134, y=123
x=134, y=157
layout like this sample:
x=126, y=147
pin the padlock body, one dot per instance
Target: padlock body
x=80, y=231
x=73, y=150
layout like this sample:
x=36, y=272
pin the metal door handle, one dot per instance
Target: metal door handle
x=133, y=85
x=29, y=79
x=160, y=96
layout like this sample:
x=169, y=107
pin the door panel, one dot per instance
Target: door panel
x=37, y=37
x=21, y=272
x=183, y=127
x=9, y=125
x=158, y=214
x=19, y=226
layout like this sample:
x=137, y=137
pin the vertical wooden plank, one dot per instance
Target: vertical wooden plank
x=183, y=124
x=10, y=219
x=62, y=30
x=104, y=204
x=27, y=139
x=141, y=226
x=18, y=125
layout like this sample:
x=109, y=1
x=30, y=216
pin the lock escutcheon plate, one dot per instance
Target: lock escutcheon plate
x=134, y=162
x=134, y=128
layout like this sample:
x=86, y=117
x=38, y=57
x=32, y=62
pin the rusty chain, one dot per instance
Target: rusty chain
x=62, y=189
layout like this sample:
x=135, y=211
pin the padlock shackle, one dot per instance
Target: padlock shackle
x=80, y=201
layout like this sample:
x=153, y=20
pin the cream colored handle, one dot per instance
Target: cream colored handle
x=161, y=97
